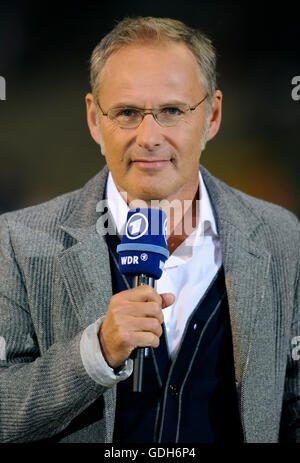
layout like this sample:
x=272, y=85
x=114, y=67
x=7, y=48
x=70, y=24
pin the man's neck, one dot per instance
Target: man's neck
x=182, y=227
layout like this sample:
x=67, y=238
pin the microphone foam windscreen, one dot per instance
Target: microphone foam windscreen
x=143, y=248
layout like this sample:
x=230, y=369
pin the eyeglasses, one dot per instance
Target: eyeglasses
x=166, y=116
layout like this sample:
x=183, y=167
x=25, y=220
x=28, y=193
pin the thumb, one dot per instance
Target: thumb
x=167, y=299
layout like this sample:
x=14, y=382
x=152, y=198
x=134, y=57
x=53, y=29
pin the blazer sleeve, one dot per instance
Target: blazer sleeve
x=40, y=395
x=290, y=418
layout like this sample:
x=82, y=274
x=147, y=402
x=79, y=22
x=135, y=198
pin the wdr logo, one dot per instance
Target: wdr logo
x=128, y=260
x=136, y=226
x=2, y=88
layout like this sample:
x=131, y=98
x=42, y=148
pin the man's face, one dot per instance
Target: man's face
x=150, y=161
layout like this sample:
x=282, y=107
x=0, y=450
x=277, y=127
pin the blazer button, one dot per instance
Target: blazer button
x=173, y=390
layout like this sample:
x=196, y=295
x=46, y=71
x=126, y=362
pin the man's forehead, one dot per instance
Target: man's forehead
x=169, y=67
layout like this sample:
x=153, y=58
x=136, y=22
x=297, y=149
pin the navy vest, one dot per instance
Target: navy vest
x=193, y=398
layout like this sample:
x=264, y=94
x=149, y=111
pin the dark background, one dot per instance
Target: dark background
x=45, y=145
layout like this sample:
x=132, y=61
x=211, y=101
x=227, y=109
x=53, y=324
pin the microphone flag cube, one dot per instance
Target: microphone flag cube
x=143, y=248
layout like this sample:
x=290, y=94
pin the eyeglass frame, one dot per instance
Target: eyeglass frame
x=152, y=111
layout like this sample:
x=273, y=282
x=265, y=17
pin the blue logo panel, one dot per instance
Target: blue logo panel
x=144, y=244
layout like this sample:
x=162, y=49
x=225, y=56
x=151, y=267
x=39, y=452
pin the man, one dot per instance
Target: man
x=222, y=322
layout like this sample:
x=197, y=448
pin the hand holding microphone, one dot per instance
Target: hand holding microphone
x=134, y=316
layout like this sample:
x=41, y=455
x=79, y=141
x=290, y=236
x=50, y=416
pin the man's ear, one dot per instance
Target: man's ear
x=216, y=115
x=93, y=120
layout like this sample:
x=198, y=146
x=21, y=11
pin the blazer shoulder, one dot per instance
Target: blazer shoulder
x=271, y=225
x=48, y=214
x=51, y=211
x=271, y=214
x=278, y=229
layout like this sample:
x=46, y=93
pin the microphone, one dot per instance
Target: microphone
x=142, y=254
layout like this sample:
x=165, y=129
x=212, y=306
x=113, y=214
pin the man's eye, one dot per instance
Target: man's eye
x=171, y=111
x=127, y=112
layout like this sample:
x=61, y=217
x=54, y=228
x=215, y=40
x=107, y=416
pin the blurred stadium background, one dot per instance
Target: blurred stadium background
x=45, y=146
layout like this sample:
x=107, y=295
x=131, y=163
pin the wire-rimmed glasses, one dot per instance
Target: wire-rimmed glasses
x=166, y=116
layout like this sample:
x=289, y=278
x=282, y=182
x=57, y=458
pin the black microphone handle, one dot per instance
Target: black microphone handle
x=140, y=280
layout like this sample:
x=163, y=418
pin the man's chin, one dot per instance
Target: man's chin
x=150, y=197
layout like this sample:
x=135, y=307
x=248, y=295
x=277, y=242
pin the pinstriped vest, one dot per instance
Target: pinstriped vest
x=193, y=397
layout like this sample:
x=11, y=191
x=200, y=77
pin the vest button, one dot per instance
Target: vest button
x=173, y=390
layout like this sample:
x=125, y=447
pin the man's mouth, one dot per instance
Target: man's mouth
x=153, y=163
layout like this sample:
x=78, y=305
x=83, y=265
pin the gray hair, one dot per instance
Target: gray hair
x=145, y=30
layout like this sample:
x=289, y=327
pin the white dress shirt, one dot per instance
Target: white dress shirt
x=187, y=274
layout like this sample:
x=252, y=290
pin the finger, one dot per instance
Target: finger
x=142, y=293
x=142, y=310
x=145, y=339
x=167, y=299
x=147, y=324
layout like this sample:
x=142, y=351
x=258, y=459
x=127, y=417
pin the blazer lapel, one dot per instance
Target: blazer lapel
x=246, y=267
x=85, y=267
x=246, y=271
x=85, y=270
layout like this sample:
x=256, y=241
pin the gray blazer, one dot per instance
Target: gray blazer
x=55, y=280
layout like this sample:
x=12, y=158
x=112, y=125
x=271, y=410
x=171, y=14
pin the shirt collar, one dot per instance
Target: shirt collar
x=116, y=204
x=207, y=223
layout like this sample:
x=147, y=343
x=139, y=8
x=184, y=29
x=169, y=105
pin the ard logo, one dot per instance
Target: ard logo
x=2, y=88
x=137, y=226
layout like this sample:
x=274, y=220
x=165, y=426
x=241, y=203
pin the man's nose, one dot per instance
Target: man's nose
x=149, y=133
